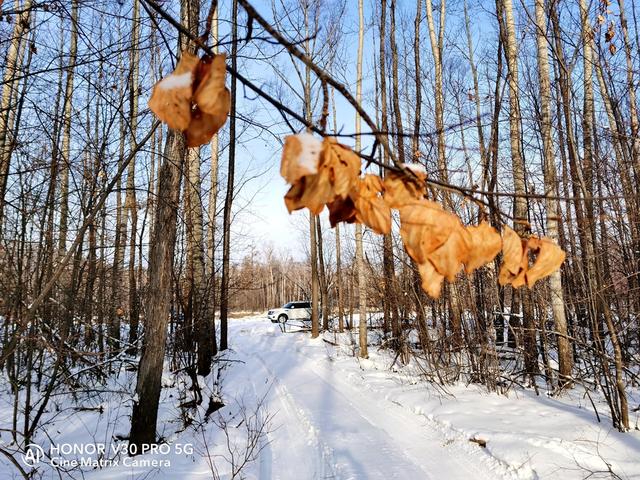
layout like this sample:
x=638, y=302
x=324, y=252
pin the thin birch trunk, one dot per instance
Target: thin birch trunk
x=362, y=298
x=520, y=206
x=66, y=135
x=390, y=301
x=226, y=240
x=565, y=359
x=9, y=89
x=131, y=208
x=213, y=198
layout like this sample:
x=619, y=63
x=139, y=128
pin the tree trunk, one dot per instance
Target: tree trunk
x=226, y=227
x=66, y=136
x=565, y=359
x=390, y=294
x=131, y=207
x=339, y=282
x=157, y=311
x=213, y=198
x=362, y=298
x=315, y=319
x=9, y=91
x=520, y=207
x=196, y=250
x=323, y=279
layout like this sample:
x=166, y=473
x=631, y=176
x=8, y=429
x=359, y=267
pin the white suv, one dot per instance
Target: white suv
x=290, y=311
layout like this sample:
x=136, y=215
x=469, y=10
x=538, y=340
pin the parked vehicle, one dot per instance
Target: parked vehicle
x=290, y=311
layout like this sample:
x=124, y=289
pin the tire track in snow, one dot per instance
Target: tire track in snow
x=370, y=453
x=290, y=416
x=454, y=443
x=348, y=423
x=323, y=460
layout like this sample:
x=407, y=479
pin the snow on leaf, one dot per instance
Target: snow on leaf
x=176, y=81
x=300, y=156
x=171, y=96
x=419, y=170
x=201, y=114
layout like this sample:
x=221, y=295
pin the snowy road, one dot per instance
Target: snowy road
x=335, y=417
x=328, y=426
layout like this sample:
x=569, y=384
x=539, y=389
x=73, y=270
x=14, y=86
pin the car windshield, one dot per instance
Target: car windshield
x=288, y=305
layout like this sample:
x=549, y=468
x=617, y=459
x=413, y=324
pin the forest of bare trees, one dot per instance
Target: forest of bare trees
x=118, y=239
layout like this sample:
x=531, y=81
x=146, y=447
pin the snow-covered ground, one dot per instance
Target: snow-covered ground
x=310, y=410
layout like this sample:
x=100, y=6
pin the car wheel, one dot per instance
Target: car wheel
x=282, y=318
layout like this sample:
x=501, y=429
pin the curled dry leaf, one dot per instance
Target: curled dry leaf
x=449, y=257
x=486, y=243
x=424, y=226
x=521, y=278
x=611, y=32
x=431, y=279
x=211, y=95
x=300, y=156
x=204, y=126
x=341, y=165
x=549, y=258
x=328, y=173
x=341, y=210
x=338, y=169
x=400, y=190
x=513, y=252
x=199, y=114
x=293, y=197
x=370, y=208
x=312, y=192
x=171, y=96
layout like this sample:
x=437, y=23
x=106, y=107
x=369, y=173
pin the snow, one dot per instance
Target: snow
x=415, y=168
x=176, y=81
x=320, y=413
x=310, y=154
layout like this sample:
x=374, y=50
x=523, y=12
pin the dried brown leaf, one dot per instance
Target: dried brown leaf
x=341, y=210
x=425, y=226
x=486, y=243
x=210, y=92
x=449, y=257
x=513, y=251
x=204, y=126
x=171, y=96
x=292, y=198
x=341, y=165
x=300, y=157
x=370, y=208
x=549, y=258
x=431, y=279
x=400, y=190
x=318, y=193
x=611, y=32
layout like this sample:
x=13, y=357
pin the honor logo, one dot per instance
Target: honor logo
x=33, y=455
